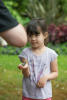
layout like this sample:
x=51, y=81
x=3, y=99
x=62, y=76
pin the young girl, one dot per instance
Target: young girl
x=42, y=63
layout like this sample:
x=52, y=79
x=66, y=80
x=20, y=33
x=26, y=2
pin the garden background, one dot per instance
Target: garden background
x=55, y=12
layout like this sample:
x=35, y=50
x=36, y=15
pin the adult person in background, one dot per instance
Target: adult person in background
x=13, y=32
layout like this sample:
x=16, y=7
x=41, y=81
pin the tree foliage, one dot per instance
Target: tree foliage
x=53, y=10
x=16, y=8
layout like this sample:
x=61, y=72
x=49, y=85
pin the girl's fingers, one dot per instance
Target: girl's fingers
x=20, y=66
x=38, y=85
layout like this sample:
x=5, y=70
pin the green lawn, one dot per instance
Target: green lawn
x=11, y=77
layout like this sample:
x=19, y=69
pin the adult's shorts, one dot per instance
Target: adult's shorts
x=6, y=19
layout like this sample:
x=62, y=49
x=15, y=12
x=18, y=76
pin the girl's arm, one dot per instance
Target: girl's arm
x=54, y=70
x=51, y=76
x=25, y=69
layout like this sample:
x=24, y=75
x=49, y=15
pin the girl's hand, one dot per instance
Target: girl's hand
x=25, y=70
x=41, y=83
x=20, y=66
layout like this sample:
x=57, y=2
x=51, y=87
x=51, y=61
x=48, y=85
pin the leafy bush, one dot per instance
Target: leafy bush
x=59, y=48
x=11, y=5
x=57, y=34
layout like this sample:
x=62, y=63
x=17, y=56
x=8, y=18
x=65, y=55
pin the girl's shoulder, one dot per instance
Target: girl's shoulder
x=51, y=50
x=24, y=52
x=52, y=54
x=26, y=49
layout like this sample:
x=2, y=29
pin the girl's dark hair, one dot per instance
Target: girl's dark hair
x=35, y=26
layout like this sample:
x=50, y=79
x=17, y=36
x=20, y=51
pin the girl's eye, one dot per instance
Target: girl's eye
x=37, y=34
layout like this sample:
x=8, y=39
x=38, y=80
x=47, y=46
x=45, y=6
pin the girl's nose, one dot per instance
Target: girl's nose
x=33, y=37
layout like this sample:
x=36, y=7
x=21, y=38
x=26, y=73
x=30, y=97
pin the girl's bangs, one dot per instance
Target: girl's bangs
x=33, y=31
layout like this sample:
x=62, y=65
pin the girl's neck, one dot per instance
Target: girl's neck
x=39, y=50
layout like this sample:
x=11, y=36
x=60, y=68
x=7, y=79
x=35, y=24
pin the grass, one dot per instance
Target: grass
x=11, y=77
x=62, y=67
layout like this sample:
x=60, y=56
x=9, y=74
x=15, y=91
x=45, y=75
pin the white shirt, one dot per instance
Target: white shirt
x=39, y=66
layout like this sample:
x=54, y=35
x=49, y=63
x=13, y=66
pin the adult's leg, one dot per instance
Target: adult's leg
x=15, y=36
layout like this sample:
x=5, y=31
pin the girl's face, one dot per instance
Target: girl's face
x=36, y=41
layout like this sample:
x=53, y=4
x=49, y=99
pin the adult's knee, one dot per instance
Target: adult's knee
x=16, y=36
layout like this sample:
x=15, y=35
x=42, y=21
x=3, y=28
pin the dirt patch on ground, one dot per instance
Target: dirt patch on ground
x=59, y=91
x=13, y=93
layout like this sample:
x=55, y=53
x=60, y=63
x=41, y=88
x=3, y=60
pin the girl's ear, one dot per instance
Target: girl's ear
x=45, y=35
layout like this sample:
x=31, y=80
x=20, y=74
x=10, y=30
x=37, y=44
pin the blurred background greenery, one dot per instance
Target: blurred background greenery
x=55, y=12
